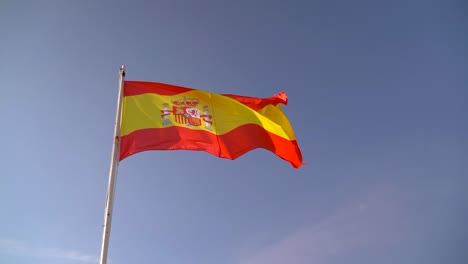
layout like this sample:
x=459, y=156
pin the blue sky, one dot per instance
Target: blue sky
x=377, y=97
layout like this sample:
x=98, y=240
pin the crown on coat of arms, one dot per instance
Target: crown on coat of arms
x=186, y=102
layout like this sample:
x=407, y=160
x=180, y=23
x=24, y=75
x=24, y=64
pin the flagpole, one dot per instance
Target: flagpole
x=112, y=172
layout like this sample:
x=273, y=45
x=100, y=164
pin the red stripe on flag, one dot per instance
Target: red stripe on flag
x=132, y=88
x=230, y=145
x=136, y=88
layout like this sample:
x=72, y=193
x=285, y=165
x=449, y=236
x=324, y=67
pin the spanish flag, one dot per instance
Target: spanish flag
x=158, y=116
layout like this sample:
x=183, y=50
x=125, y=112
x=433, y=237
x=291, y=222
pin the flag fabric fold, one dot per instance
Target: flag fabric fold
x=158, y=116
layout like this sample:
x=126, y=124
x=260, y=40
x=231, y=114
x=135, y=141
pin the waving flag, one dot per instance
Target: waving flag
x=158, y=116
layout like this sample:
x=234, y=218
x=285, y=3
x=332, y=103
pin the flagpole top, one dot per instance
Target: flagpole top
x=122, y=69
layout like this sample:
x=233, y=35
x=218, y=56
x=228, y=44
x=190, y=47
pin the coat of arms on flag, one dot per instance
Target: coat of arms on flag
x=185, y=112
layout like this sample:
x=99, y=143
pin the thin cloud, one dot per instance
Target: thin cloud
x=15, y=247
x=363, y=223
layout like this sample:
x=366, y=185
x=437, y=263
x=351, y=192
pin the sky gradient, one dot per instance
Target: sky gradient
x=377, y=98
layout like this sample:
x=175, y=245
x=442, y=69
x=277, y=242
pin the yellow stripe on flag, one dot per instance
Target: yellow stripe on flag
x=145, y=111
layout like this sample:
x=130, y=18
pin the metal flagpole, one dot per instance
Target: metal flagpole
x=112, y=172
